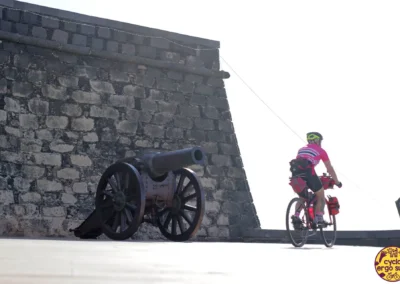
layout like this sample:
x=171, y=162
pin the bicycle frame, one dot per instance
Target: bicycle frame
x=327, y=183
x=305, y=199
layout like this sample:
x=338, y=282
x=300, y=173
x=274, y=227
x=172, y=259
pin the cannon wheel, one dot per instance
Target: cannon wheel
x=120, y=201
x=179, y=211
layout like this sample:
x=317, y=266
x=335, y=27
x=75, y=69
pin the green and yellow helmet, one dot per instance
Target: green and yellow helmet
x=311, y=136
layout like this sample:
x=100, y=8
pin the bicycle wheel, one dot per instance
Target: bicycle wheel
x=329, y=238
x=300, y=229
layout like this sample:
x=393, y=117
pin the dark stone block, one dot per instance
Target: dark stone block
x=55, y=66
x=41, y=52
x=159, y=43
x=167, y=84
x=87, y=29
x=220, y=92
x=29, y=18
x=11, y=73
x=147, y=51
x=104, y=32
x=128, y=49
x=50, y=23
x=60, y=36
x=216, y=136
x=112, y=46
x=204, y=90
x=209, y=57
x=136, y=39
x=221, y=103
x=22, y=29
x=186, y=87
x=198, y=100
x=70, y=27
x=183, y=50
x=6, y=26
x=39, y=32
x=120, y=36
x=215, y=82
x=170, y=56
x=97, y=43
x=13, y=15
x=192, y=78
x=175, y=75
x=196, y=135
x=78, y=39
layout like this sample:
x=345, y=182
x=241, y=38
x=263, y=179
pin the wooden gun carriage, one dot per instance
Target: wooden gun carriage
x=156, y=188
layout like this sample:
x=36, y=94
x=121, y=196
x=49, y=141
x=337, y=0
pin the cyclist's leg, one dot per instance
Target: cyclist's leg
x=315, y=185
x=303, y=196
x=297, y=172
x=296, y=221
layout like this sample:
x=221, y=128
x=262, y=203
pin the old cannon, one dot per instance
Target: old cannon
x=156, y=188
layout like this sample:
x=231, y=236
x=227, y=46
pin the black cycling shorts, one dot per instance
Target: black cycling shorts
x=313, y=181
x=307, y=172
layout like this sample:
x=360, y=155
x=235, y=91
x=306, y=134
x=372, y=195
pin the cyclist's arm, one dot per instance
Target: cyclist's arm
x=331, y=170
x=328, y=165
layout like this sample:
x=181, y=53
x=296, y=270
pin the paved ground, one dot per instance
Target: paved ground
x=58, y=261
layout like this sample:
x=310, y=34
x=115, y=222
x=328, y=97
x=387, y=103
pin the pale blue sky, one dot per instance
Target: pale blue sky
x=332, y=67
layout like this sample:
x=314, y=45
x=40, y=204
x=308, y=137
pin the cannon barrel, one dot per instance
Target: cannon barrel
x=160, y=163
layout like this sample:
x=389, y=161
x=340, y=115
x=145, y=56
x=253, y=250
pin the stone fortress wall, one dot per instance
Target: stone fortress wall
x=80, y=92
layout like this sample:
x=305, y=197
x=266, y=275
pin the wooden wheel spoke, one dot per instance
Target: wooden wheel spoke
x=162, y=212
x=186, y=189
x=180, y=223
x=108, y=193
x=118, y=179
x=180, y=183
x=130, y=197
x=190, y=208
x=132, y=207
x=128, y=215
x=190, y=197
x=167, y=220
x=116, y=221
x=113, y=185
x=186, y=217
x=174, y=224
x=123, y=221
x=127, y=183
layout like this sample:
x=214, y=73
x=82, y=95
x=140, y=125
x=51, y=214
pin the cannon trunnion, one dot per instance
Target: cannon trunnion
x=156, y=188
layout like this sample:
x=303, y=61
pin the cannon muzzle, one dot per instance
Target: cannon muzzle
x=160, y=163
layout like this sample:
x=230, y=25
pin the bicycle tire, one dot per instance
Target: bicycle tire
x=288, y=223
x=324, y=239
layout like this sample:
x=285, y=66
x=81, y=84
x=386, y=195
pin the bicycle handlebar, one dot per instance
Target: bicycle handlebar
x=328, y=182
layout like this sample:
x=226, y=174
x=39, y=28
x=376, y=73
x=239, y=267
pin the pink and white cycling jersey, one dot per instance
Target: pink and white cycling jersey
x=313, y=153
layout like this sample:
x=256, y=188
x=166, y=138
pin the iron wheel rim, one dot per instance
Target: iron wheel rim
x=126, y=212
x=177, y=216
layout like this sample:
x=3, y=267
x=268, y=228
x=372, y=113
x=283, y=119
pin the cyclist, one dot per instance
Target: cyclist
x=308, y=157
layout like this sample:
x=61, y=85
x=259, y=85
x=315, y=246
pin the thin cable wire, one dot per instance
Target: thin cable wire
x=244, y=82
x=114, y=29
x=280, y=118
